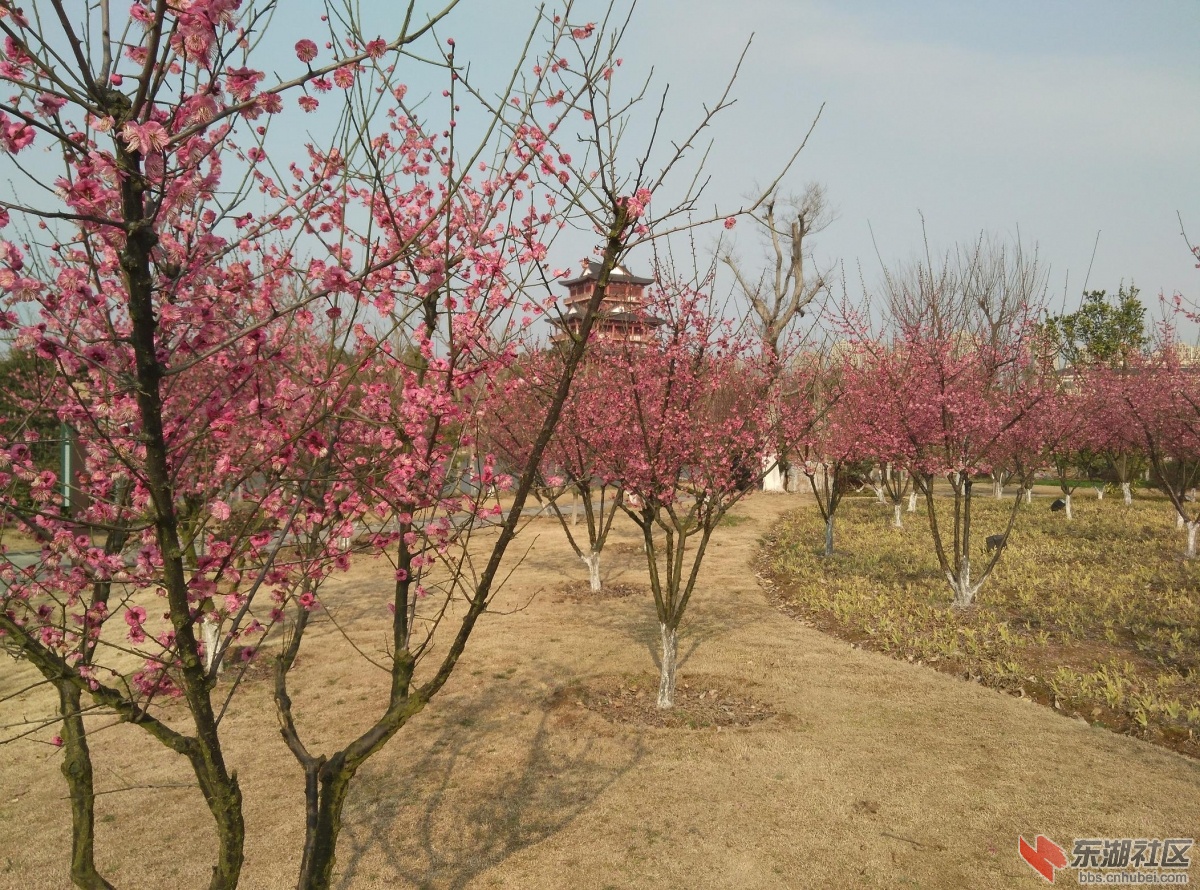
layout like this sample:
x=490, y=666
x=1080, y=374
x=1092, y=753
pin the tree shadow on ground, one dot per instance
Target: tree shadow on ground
x=487, y=785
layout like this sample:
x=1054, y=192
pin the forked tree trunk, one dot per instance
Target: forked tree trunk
x=593, y=563
x=77, y=770
x=1099, y=494
x=670, y=654
x=896, y=523
x=1127, y=492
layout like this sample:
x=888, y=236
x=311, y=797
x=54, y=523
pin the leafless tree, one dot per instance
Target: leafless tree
x=790, y=280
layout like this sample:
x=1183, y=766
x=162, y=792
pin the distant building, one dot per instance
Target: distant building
x=623, y=317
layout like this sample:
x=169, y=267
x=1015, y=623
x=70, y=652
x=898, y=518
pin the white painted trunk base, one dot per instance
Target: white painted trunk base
x=592, y=560
x=1127, y=492
x=210, y=636
x=670, y=653
x=772, y=479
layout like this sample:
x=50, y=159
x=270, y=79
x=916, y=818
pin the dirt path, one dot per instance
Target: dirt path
x=873, y=773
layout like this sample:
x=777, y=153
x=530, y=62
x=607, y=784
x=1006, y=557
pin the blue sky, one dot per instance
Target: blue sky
x=1059, y=121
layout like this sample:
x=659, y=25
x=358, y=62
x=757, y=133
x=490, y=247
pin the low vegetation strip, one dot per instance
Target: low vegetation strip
x=1098, y=617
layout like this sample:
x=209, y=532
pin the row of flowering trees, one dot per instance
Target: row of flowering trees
x=964, y=378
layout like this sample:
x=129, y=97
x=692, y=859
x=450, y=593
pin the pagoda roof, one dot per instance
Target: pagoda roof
x=629, y=318
x=618, y=274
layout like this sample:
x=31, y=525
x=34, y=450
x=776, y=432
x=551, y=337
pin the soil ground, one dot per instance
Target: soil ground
x=807, y=763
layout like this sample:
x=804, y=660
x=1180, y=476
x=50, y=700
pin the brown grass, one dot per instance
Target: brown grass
x=871, y=773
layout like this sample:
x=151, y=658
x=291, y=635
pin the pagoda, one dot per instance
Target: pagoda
x=622, y=317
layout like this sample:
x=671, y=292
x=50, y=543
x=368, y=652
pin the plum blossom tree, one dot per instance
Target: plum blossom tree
x=832, y=451
x=220, y=312
x=1161, y=395
x=1065, y=423
x=695, y=426
x=570, y=464
x=961, y=372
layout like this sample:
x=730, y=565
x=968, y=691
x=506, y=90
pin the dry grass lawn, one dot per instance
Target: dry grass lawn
x=870, y=773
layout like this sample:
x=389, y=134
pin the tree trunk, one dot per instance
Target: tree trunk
x=912, y=502
x=1179, y=523
x=772, y=479
x=964, y=595
x=326, y=786
x=1067, y=503
x=1127, y=492
x=210, y=636
x=574, y=505
x=593, y=564
x=998, y=486
x=1029, y=495
x=1191, y=545
x=1099, y=494
x=896, y=523
x=77, y=770
x=666, y=681
x=829, y=535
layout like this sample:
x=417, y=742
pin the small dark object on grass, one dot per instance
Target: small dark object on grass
x=1059, y=504
x=995, y=542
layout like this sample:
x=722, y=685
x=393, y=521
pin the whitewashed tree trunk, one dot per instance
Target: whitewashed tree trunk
x=879, y=493
x=964, y=593
x=593, y=563
x=210, y=636
x=1099, y=494
x=1029, y=495
x=896, y=523
x=912, y=502
x=1067, y=503
x=666, y=681
x=998, y=486
x=1179, y=523
x=829, y=536
x=772, y=479
x=1127, y=492
x=1192, y=526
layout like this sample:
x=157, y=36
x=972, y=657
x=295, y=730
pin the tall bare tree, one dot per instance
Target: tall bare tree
x=785, y=287
x=788, y=282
